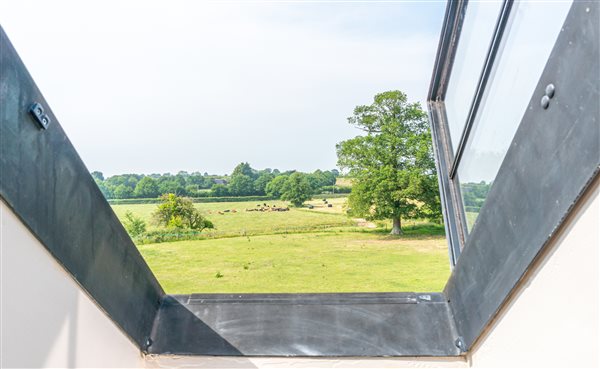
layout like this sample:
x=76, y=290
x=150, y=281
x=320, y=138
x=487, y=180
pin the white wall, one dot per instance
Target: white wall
x=552, y=320
x=46, y=319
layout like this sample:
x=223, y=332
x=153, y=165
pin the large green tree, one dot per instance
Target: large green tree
x=244, y=169
x=275, y=186
x=262, y=181
x=123, y=191
x=392, y=162
x=296, y=189
x=241, y=185
x=146, y=187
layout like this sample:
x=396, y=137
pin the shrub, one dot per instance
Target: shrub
x=179, y=212
x=135, y=226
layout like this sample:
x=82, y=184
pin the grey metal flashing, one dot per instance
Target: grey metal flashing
x=553, y=157
x=354, y=324
x=47, y=185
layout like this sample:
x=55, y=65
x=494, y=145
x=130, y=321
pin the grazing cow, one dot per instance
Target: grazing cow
x=221, y=213
x=329, y=205
x=234, y=211
x=226, y=211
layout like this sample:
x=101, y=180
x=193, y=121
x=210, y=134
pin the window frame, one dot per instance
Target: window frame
x=454, y=213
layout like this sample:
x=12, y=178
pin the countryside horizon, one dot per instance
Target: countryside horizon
x=375, y=227
x=275, y=85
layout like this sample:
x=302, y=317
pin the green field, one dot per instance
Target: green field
x=316, y=250
x=243, y=223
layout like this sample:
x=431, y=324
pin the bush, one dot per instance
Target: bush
x=135, y=226
x=179, y=212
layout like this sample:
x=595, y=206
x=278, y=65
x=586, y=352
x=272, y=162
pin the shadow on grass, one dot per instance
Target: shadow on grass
x=415, y=230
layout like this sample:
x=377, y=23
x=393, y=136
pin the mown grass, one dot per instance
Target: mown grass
x=316, y=250
x=310, y=262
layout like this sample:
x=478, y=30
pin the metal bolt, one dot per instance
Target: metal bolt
x=148, y=343
x=460, y=343
x=550, y=90
x=545, y=102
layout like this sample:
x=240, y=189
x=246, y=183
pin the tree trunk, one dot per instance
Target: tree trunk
x=396, y=228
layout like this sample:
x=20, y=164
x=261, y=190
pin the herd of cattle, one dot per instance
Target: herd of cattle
x=266, y=207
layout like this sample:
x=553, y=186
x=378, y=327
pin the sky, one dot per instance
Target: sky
x=163, y=86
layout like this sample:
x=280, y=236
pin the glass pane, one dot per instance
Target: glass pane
x=475, y=38
x=516, y=72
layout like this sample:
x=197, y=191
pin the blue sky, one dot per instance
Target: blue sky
x=157, y=86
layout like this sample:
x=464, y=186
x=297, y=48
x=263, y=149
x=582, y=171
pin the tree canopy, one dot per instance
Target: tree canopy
x=392, y=163
x=243, y=181
x=296, y=189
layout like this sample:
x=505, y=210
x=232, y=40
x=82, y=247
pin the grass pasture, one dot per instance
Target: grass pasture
x=243, y=223
x=313, y=262
x=302, y=250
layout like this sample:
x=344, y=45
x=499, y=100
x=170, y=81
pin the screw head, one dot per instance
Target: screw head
x=550, y=90
x=545, y=102
x=460, y=344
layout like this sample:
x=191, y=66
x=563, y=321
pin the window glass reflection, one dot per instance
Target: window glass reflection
x=517, y=70
x=475, y=38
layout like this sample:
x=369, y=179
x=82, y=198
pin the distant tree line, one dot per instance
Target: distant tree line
x=243, y=181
